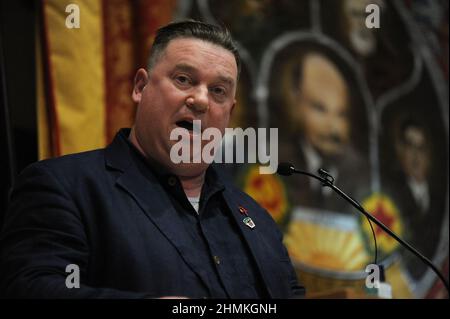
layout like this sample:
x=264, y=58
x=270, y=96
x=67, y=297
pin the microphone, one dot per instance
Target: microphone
x=287, y=169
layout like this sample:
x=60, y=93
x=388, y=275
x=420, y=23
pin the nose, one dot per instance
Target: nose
x=198, y=101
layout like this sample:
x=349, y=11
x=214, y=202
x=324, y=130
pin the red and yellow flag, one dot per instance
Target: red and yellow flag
x=85, y=75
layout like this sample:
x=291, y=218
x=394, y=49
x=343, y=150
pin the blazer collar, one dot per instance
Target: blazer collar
x=118, y=153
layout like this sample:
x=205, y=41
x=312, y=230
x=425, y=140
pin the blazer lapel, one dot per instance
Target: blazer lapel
x=161, y=211
x=253, y=238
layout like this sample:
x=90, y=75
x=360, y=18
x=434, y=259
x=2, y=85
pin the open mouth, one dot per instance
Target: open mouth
x=185, y=124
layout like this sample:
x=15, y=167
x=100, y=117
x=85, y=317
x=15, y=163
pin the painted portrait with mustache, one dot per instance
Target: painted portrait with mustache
x=321, y=113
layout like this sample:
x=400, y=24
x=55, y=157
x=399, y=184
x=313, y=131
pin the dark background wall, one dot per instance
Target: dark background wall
x=17, y=91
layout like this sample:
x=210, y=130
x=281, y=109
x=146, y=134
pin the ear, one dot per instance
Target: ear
x=140, y=81
x=232, y=107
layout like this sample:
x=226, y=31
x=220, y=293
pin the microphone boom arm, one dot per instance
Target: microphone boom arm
x=328, y=181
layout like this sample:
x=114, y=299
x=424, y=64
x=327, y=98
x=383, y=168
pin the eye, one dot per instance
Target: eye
x=183, y=80
x=318, y=107
x=219, y=91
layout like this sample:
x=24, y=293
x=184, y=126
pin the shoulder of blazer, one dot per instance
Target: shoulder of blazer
x=68, y=169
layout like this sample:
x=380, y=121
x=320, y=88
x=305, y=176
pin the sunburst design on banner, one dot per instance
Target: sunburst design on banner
x=325, y=247
x=268, y=191
x=383, y=208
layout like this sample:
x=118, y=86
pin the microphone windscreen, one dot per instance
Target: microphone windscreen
x=285, y=169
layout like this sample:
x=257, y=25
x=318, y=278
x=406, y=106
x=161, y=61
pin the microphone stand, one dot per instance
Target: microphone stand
x=328, y=181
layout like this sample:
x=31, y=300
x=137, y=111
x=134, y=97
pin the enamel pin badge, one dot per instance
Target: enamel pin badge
x=247, y=220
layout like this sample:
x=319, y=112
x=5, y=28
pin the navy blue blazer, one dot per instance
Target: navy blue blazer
x=96, y=210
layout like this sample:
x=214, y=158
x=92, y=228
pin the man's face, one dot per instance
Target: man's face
x=323, y=106
x=192, y=80
x=362, y=38
x=414, y=154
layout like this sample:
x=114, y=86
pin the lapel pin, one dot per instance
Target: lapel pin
x=242, y=210
x=249, y=222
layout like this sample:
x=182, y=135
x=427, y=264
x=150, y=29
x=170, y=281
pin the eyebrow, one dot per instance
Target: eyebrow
x=189, y=68
x=185, y=67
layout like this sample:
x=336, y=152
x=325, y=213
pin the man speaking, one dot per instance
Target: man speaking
x=132, y=223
